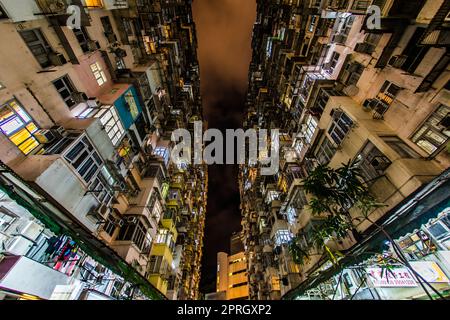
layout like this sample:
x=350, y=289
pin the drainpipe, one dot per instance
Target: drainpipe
x=40, y=104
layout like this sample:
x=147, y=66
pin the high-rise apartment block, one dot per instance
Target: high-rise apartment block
x=232, y=279
x=341, y=87
x=86, y=117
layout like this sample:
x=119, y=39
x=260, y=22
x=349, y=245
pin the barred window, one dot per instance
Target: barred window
x=435, y=132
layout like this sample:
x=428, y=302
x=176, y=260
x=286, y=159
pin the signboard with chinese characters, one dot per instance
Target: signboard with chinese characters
x=396, y=277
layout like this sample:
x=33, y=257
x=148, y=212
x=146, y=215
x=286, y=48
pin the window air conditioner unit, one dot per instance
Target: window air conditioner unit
x=326, y=66
x=57, y=59
x=59, y=131
x=397, y=61
x=79, y=97
x=132, y=220
x=364, y=48
x=336, y=114
x=93, y=45
x=98, y=213
x=340, y=38
x=45, y=136
x=93, y=102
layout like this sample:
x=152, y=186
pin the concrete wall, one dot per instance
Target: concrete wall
x=33, y=278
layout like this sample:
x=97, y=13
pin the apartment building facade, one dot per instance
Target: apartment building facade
x=87, y=118
x=341, y=90
x=232, y=280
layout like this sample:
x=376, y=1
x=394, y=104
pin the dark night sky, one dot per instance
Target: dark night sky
x=224, y=29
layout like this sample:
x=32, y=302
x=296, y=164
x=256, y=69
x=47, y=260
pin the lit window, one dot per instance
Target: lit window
x=98, y=73
x=113, y=126
x=282, y=237
x=272, y=196
x=299, y=146
x=435, y=132
x=94, y=3
x=157, y=210
x=163, y=153
x=311, y=126
x=291, y=214
x=18, y=126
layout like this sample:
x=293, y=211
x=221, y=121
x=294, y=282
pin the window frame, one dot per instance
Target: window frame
x=339, y=128
x=69, y=86
x=99, y=74
x=429, y=127
x=25, y=120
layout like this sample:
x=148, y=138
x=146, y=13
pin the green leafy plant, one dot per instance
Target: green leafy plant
x=299, y=254
x=333, y=192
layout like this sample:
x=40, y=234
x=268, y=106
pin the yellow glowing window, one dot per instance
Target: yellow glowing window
x=94, y=3
x=18, y=126
x=98, y=73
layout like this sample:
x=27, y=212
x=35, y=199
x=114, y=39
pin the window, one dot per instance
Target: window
x=156, y=265
x=83, y=38
x=163, y=153
x=399, y=146
x=108, y=28
x=282, y=237
x=291, y=215
x=65, y=89
x=340, y=126
x=137, y=233
x=326, y=152
x=112, y=125
x=311, y=125
x=87, y=163
x=351, y=73
x=110, y=225
x=98, y=73
x=120, y=63
x=164, y=236
x=313, y=23
x=84, y=159
x=333, y=62
x=388, y=92
x=372, y=162
x=322, y=99
x=272, y=196
x=435, y=132
x=38, y=46
x=157, y=210
x=94, y=3
x=298, y=146
x=173, y=195
x=18, y=126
